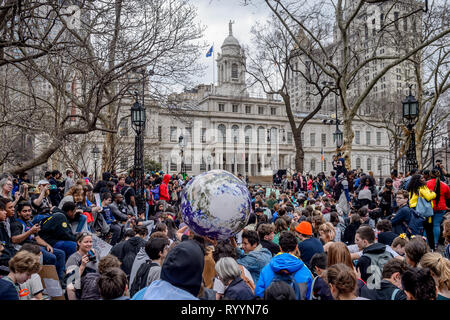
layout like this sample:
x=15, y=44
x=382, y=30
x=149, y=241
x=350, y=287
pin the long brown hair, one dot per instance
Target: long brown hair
x=339, y=253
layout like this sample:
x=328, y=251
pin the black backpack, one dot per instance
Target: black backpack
x=140, y=280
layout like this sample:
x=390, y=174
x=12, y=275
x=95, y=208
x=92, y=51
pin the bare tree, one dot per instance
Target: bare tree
x=86, y=86
x=346, y=64
x=276, y=62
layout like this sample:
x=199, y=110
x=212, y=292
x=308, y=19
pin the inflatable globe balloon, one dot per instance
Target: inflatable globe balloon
x=216, y=204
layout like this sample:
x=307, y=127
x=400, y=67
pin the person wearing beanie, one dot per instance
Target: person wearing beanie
x=286, y=263
x=308, y=245
x=181, y=275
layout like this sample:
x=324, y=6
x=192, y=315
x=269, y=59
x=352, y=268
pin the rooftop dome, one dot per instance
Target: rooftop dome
x=230, y=40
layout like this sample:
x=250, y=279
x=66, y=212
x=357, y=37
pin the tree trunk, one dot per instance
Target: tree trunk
x=299, y=153
x=348, y=140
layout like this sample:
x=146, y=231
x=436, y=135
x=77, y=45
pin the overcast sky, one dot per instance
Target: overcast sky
x=215, y=16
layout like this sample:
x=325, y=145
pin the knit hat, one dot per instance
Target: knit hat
x=183, y=266
x=305, y=228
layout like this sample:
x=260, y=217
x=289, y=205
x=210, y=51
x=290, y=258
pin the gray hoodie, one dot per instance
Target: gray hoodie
x=141, y=257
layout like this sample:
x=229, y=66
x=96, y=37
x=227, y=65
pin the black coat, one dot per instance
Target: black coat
x=272, y=247
x=56, y=228
x=238, y=290
x=129, y=251
x=384, y=293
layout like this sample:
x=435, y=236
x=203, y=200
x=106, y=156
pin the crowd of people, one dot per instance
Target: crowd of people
x=341, y=236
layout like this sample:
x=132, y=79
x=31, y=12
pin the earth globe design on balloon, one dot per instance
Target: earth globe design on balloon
x=216, y=204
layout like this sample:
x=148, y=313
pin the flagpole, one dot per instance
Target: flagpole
x=214, y=55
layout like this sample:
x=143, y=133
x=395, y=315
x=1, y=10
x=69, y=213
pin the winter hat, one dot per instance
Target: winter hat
x=305, y=228
x=183, y=266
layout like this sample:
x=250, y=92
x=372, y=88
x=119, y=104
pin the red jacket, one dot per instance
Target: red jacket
x=445, y=194
x=163, y=189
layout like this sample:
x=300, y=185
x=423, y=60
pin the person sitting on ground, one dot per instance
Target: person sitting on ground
x=266, y=234
x=56, y=230
x=327, y=233
x=419, y=284
x=385, y=235
x=229, y=273
x=350, y=231
x=156, y=250
x=23, y=231
x=374, y=256
x=399, y=243
x=113, y=285
x=320, y=288
x=390, y=287
x=22, y=266
x=440, y=270
x=415, y=249
x=181, y=274
x=343, y=282
x=279, y=291
x=225, y=249
x=286, y=265
x=83, y=261
x=308, y=245
x=32, y=288
x=89, y=285
x=255, y=257
x=130, y=249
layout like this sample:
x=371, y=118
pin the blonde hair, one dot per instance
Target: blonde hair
x=77, y=192
x=329, y=230
x=440, y=266
x=25, y=262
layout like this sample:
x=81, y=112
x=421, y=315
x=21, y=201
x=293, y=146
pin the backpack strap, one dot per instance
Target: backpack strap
x=394, y=293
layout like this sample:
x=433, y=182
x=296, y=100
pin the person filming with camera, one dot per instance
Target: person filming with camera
x=80, y=263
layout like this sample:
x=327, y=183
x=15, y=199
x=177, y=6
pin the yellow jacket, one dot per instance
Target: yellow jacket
x=425, y=193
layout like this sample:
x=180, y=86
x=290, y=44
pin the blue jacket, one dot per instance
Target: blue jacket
x=402, y=215
x=162, y=290
x=255, y=261
x=289, y=262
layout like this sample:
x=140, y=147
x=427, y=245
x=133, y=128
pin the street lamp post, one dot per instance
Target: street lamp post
x=338, y=134
x=410, y=114
x=138, y=119
x=95, y=154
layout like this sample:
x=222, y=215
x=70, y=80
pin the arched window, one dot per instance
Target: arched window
x=369, y=164
x=248, y=134
x=235, y=133
x=222, y=133
x=379, y=164
x=358, y=163
x=261, y=135
x=234, y=71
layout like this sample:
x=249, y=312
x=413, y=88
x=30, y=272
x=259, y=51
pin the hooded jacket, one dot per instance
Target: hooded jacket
x=56, y=228
x=140, y=258
x=364, y=262
x=129, y=251
x=255, y=261
x=181, y=274
x=387, y=291
x=163, y=189
x=289, y=262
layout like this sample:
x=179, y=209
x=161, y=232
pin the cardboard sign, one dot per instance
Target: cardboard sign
x=101, y=247
x=50, y=282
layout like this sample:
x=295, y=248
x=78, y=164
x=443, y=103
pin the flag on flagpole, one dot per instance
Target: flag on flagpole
x=321, y=154
x=210, y=51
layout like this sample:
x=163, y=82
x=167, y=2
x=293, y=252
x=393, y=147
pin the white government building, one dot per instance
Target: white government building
x=227, y=128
